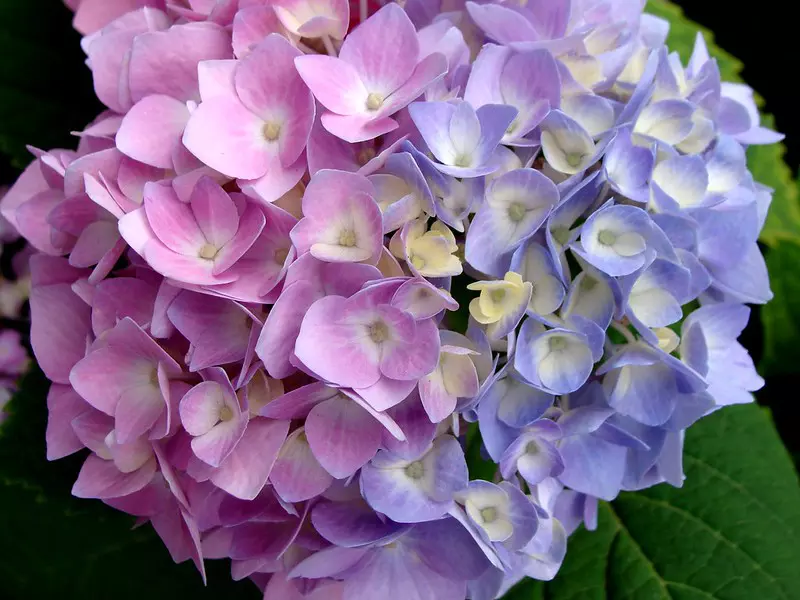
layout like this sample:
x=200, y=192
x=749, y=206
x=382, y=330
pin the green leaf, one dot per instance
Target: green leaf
x=781, y=317
x=730, y=533
x=55, y=546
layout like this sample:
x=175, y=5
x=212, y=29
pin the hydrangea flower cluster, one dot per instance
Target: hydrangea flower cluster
x=251, y=272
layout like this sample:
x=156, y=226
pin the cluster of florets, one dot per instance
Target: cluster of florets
x=252, y=271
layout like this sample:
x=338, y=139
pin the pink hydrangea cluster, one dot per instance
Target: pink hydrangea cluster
x=242, y=292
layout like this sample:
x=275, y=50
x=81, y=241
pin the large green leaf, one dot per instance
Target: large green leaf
x=55, y=546
x=781, y=317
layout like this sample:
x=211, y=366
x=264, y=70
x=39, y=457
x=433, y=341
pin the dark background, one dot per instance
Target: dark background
x=46, y=92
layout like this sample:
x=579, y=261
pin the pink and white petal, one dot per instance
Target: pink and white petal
x=227, y=137
x=200, y=408
x=383, y=67
x=217, y=444
x=184, y=269
x=151, y=129
x=297, y=475
x=437, y=401
x=357, y=128
x=342, y=435
x=268, y=84
x=136, y=231
x=247, y=468
x=334, y=82
x=101, y=479
x=390, y=426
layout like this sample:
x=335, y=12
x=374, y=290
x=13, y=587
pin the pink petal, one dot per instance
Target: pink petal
x=268, y=84
x=277, y=339
x=297, y=475
x=298, y=403
x=250, y=227
x=357, y=128
x=151, y=129
x=386, y=393
x=172, y=221
x=414, y=360
x=200, y=408
x=251, y=25
x=137, y=411
x=336, y=352
x=247, y=468
x=97, y=239
x=63, y=405
x=342, y=435
x=214, y=212
x=58, y=343
x=216, y=445
x=334, y=82
x=101, y=479
x=383, y=67
x=165, y=62
x=227, y=137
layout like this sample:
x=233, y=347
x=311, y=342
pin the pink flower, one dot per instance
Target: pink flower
x=195, y=243
x=255, y=124
x=371, y=79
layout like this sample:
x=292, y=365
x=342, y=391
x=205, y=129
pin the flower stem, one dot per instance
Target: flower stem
x=364, y=12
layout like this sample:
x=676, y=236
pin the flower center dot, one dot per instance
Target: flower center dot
x=271, y=131
x=378, y=332
x=374, y=101
x=557, y=343
x=489, y=514
x=415, y=470
x=225, y=413
x=574, y=159
x=497, y=296
x=607, y=238
x=531, y=448
x=208, y=251
x=516, y=212
x=463, y=160
x=347, y=238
